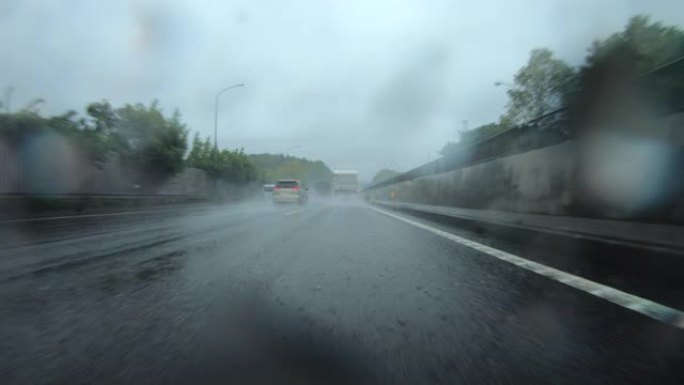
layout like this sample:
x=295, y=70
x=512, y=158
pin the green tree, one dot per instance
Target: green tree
x=541, y=86
x=272, y=167
x=151, y=143
x=22, y=125
x=473, y=136
x=230, y=165
x=641, y=67
x=90, y=141
x=103, y=115
x=196, y=151
x=235, y=166
x=629, y=71
x=208, y=154
x=650, y=45
x=103, y=119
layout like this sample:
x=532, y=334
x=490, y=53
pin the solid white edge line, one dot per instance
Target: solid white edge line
x=562, y=232
x=632, y=302
x=78, y=216
x=294, y=212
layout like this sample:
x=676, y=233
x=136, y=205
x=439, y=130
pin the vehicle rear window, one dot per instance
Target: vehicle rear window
x=287, y=183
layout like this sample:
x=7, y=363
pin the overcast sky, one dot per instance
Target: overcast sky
x=358, y=84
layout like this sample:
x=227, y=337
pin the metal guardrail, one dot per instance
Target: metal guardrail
x=546, y=130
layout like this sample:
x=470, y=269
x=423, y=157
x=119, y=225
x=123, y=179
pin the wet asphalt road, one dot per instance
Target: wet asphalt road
x=334, y=293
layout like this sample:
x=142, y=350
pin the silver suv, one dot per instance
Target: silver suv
x=289, y=191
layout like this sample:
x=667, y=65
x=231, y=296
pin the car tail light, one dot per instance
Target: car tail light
x=296, y=188
x=276, y=188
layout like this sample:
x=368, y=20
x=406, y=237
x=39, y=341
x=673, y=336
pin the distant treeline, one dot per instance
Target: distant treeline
x=272, y=167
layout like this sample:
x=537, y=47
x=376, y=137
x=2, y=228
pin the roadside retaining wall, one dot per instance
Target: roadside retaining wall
x=50, y=164
x=535, y=181
x=604, y=176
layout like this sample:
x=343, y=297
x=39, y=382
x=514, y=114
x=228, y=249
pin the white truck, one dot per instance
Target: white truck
x=345, y=182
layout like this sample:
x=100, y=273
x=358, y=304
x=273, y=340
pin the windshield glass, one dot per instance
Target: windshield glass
x=342, y=192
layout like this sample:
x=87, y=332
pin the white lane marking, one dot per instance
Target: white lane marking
x=79, y=216
x=640, y=305
x=294, y=212
x=562, y=232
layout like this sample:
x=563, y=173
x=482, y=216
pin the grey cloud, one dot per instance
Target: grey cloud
x=359, y=84
x=413, y=94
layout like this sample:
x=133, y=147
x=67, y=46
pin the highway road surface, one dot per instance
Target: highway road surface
x=334, y=292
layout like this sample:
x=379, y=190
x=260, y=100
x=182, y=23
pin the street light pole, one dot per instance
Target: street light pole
x=216, y=112
x=216, y=131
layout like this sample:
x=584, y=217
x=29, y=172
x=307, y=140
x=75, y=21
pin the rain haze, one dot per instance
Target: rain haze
x=400, y=192
x=358, y=84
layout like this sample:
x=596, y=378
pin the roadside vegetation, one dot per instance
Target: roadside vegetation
x=152, y=144
x=230, y=165
x=271, y=167
x=645, y=56
x=144, y=139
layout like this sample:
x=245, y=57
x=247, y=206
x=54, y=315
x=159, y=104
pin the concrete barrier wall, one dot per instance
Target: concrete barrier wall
x=605, y=176
x=50, y=164
x=190, y=181
x=536, y=181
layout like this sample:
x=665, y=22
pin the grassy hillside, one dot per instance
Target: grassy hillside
x=272, y=167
